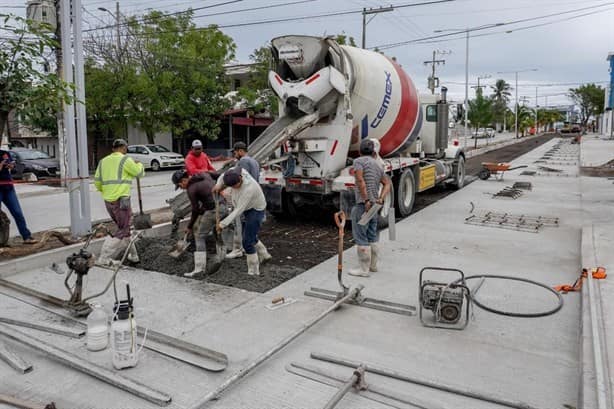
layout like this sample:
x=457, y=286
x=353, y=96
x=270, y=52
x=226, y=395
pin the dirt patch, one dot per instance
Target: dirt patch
x=605, y=170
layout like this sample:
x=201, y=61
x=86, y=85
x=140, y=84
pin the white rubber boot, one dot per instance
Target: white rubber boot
x=236, y=253
x=200, y=263
x=263, y=253
x=364, y=262
x=374, y=257
x=109, y=251
x=253, y=265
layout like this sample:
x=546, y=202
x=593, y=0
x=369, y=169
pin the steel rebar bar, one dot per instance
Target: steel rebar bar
x=243, y=372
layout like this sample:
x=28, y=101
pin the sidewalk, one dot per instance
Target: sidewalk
x=531, y=360
x=597, y=245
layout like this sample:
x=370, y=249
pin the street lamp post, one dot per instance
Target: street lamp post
x=116, y=16
x=467, y=30
x=516, y=104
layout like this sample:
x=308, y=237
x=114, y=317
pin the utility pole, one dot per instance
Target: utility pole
x=117, y=17
x=60, y=117
x=516, y=102
x=373, y=11
x=433, y=81
x=74, y=119
x=536, y=107
x=478, y=88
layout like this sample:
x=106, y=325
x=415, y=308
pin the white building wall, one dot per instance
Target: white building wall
x=137, y=136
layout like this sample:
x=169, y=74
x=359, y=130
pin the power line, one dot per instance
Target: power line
x=398, y=44
x=523, y=28
x=144, y=19
x=288, y=19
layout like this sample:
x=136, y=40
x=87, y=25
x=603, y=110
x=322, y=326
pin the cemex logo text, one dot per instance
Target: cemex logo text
x=384, y=107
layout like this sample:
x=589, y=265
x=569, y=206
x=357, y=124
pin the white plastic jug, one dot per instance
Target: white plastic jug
x=97, y=333
x=124, y=338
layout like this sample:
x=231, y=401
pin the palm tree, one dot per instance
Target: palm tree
x=501, y=93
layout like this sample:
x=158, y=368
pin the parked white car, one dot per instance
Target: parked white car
x=490, y=132
x=155, y=157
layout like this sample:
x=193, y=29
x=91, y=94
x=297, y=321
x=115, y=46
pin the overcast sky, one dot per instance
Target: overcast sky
x=570, y=51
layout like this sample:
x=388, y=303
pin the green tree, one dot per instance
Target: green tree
x=256, y=93
x=24, y=86
x=590, y=99
x=344, y=39
x=480, y=111
x=501, y=93
x=168, y=75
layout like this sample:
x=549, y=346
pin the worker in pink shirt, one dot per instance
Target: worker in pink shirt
x=197, y=160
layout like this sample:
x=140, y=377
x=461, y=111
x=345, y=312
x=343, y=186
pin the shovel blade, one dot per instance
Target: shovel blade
x=179, y=249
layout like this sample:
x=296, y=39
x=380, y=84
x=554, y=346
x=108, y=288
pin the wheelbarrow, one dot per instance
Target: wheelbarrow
x=496, y=169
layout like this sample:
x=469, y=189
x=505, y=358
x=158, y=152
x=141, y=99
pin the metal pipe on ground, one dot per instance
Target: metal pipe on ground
x=382, y=395
x=80, y=364
x=52, y=329
x=429, y=384
x=15, y=361
x=22, y=404
x=243, y=372
x=345, y=388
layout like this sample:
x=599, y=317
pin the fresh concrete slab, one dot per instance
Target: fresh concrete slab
x=533, y=360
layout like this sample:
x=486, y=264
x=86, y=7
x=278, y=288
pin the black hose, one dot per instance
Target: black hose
x=515, y=314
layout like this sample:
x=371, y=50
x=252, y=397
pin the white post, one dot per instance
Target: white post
x=466, y=87
x=536, y=105
x=516, y=107
x=78, y=208
x=83, y=223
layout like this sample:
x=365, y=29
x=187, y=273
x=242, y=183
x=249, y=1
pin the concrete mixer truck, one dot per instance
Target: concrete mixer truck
x=330, y=98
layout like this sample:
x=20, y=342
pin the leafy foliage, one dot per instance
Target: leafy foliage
x=168, y=75
x=590, y=98
x=480, y=111
x=24, y=86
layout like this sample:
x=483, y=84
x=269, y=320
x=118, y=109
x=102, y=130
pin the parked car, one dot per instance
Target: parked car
x=490, y=132
x=155, y=157
x=33, y=161
x=480, y=133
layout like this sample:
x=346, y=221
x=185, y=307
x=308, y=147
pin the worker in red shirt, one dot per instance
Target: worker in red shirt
x=197, y=160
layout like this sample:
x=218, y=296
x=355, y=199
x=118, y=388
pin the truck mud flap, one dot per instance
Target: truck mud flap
x=273, y=195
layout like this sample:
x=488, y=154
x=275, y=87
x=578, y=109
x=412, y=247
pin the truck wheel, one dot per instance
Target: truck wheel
x=459, y=173
x=382, y=218
x=405, y=193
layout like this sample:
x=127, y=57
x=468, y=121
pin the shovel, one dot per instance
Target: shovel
x=180, y=247
x=142, y=221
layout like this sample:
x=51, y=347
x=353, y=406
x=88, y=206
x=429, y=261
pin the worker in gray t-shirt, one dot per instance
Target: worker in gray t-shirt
x=253, y=168
x=368, y=175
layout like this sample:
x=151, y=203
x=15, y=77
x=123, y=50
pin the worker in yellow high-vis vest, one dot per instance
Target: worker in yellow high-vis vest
x=113, y=179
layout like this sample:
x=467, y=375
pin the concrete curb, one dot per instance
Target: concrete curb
x=587, y=398
x=58, y=255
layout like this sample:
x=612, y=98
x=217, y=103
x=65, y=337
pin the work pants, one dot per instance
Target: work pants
x=363, y=235
x=121, y=214
x=8, y=196
x=251, y=227
x=206, y=225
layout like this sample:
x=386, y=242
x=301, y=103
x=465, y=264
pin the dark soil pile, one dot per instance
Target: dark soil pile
x=296, y=246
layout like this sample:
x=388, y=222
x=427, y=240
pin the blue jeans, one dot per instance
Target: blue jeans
x=8, y=196
x=363, y=235
x=251, y=226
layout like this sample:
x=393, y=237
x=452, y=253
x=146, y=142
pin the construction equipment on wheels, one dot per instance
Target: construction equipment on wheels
x=330, y=98
x=496, y=169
